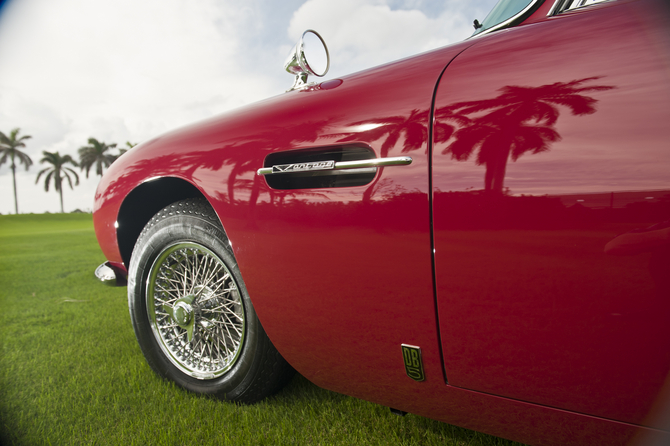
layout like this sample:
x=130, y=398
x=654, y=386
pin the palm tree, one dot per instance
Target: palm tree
x=519, y=120
x=96, y=152
x=58, y=172
x=413, y=128
x=9, y=150
x=122, y=151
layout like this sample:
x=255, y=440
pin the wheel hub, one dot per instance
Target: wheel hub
x=182, y=313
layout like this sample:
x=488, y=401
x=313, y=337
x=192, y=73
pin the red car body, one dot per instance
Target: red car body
x=498, y=251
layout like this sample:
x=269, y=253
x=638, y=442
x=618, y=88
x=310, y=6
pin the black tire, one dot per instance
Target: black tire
x=191, y=312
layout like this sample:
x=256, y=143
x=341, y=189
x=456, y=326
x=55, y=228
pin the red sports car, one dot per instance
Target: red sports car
x=479, y=234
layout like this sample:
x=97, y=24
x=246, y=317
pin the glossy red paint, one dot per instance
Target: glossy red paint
x=529, y=328
x=552, y=155
x=285, y=241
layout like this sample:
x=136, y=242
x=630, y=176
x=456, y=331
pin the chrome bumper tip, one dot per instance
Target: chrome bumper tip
x=109, y=275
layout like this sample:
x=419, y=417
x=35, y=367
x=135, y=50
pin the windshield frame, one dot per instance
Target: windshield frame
x=561, y=6
x=515, y=19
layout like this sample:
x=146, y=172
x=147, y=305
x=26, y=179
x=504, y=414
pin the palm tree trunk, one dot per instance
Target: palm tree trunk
x=231, y=182
x=496, y=167
x=16, y=200
x=499, y=176
x=369, y=191
x=60, y=191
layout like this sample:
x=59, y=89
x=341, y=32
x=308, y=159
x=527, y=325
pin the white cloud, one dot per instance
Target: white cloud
x=365, y=33
x=127, y=70
x=117, y=71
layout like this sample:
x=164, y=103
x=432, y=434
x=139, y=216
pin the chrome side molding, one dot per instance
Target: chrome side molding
x=332, y=165
x=568, y=5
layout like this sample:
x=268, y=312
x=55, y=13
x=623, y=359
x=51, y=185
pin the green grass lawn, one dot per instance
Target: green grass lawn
x=71, y=371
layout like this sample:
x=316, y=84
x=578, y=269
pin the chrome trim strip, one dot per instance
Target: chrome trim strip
x=556, y=7
x=375, y=162
x=561, y=6
x=506, y=22
x=332, y=165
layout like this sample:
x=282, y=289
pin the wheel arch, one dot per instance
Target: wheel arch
x=143, y=202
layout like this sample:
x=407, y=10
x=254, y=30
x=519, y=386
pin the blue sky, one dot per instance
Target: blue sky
x=128, y=70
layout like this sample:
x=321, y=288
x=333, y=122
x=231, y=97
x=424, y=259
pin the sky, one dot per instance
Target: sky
x=129, y=70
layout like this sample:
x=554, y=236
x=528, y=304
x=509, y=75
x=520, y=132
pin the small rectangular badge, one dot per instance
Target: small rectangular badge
x=413, y=364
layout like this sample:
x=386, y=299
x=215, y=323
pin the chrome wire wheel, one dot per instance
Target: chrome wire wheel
x=195, y=310
x=191, y=311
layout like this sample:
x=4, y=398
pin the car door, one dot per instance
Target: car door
x=551, y=140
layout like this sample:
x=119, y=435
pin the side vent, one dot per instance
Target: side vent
x=308, y=169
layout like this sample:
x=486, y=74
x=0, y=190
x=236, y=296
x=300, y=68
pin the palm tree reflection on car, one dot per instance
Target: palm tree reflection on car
x=519, y=120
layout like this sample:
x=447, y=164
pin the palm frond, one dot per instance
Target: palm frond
x=9, y=147
x=96, y=153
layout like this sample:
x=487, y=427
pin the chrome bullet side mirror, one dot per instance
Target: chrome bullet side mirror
x=309, y=56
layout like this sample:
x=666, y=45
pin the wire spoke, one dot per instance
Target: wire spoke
x=195, y=278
